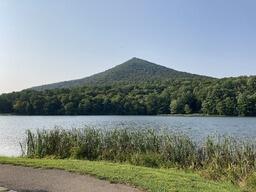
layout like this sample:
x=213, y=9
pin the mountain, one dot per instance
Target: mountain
x=131, y=71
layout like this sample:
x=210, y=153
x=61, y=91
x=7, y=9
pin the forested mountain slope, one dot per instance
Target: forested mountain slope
x=137, y=87
x=229, y=96
x=132, y=71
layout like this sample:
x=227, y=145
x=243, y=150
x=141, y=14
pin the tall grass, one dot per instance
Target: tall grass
x=216, y=158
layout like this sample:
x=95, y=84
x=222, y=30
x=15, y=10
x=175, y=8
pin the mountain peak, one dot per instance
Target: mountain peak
x=136, y=60
x=138, y=63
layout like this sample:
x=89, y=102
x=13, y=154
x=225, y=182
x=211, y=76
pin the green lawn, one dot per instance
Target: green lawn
x=154, y=180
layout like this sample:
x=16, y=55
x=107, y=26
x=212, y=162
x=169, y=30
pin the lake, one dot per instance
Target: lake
x=12, y=128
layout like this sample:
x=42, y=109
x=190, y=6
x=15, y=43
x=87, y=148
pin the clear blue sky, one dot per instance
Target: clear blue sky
x=45, y=41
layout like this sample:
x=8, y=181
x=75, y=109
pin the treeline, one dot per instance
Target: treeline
x=229, y=96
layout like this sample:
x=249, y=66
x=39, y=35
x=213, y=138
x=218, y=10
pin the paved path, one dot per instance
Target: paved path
x=24, y=179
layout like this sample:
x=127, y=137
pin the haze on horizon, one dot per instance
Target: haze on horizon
x=48, y=41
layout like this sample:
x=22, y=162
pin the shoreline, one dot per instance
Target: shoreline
x=160, y=115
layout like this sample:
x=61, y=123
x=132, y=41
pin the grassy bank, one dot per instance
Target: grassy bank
x=217, y=159
x=150, y=179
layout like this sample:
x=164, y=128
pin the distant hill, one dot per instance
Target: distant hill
x=131, y=71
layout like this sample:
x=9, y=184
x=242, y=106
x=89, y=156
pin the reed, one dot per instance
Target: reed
x=216, y=158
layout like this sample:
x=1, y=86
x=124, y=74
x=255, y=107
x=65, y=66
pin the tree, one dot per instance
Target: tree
x=187, y=109
x=5, y=105
x=152, y=104
x=20, y=107
x=53, y=106
x=84, y=107
x=177, y=107
x=242, y=104
x=70, y=109
x=252, y=83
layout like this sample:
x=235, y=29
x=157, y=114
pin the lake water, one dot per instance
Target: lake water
x=12, y=128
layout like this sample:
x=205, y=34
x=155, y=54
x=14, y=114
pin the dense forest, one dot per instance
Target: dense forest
x=229, y=96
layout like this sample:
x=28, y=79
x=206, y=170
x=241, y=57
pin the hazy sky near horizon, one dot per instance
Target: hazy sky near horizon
x=46, y=41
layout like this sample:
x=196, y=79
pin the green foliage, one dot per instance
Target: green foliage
x=216, y=158
x=147, y=160
x=137, y=87
x=187, y=109
x=231, y=96
x=250, y=184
